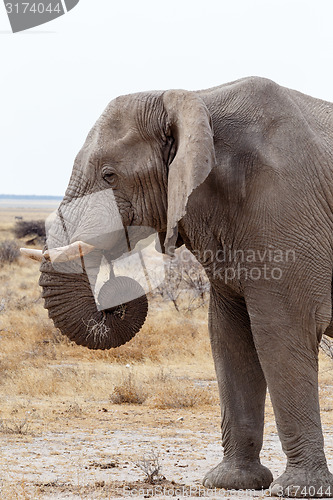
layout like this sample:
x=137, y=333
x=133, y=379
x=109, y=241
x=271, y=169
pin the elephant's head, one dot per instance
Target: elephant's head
x=136, y=170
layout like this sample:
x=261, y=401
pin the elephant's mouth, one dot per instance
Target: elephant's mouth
x=111, y=320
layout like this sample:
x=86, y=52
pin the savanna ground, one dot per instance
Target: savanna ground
x=79, y=424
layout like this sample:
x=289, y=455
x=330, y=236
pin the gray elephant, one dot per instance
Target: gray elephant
x=242, y=174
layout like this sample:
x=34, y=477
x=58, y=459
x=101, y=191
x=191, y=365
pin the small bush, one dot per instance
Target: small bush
x=162, y=391
x=128, y=391
x=151, y=467
x=180, y=395
x=14, y=427
x=25, y=228
x=9, y=252
x=185, y=285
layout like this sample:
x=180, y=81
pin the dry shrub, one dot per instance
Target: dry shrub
x=9, y=252
x=186, y=285
x=168, y=335
x=14, y=426
x=160, y=391
x=129, y=391
x=73, y=409
x=25, y=228
x=180, y=395
x=26, y=333
x=151, y=467
x=325, y=367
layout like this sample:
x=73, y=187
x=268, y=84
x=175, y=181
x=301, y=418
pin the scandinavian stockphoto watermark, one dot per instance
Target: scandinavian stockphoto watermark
x=182, y=491
x=249, y=264
x=252, y=264
x=24, y=15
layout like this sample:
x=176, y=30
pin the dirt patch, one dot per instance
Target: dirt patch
x=94, y=456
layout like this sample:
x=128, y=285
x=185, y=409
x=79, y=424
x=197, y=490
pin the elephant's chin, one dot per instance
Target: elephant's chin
x=72, y=307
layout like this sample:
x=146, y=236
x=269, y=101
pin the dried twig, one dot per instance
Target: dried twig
x=151, y=466
x=19, y=427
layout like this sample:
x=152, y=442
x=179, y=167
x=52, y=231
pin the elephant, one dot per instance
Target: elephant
x=242, y=175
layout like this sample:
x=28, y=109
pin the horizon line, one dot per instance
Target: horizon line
x=30, y=196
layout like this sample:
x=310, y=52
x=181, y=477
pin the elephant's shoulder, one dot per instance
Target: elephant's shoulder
x=262, y=103
x=251, y=90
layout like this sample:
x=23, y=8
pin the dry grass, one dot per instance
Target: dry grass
x=160, y=390
x=13, y=426
x=18, y=491
x=9, y=252
x=182, y=395
x=130, y=390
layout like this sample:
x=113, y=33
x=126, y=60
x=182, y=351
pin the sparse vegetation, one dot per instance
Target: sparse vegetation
x=182, y=394
x=150, y=466
x=129, y=391
x=25, y=228
x=35, y=229
x=160, y=391
x=9, y=252
x=186, y=285
x=15, y=426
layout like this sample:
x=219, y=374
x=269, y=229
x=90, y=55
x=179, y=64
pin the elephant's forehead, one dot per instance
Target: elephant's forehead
x=114, y=133
x=118, y=118
x=103, y=143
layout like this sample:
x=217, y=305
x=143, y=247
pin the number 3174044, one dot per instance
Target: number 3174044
x=33, y=8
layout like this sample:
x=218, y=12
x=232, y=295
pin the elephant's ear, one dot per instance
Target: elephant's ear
x=189, y=123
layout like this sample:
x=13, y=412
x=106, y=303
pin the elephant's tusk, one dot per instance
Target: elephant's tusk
x=61, y=254
x=32, y=254
x=69, y=252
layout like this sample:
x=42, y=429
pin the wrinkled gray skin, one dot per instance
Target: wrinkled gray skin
x=247, y=165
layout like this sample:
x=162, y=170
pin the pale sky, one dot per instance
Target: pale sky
x=56, y=79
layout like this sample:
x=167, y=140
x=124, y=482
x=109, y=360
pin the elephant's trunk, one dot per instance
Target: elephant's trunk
x=69, y=272
x=72, y=307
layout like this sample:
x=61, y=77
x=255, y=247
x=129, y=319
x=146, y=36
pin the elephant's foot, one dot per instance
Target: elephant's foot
x=300, y=483
x=238, y=475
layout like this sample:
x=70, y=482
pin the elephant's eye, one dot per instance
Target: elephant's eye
x=109, y=176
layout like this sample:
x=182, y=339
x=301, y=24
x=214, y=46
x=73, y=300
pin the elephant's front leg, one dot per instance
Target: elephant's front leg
x=242, y=389
x=287, y=346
